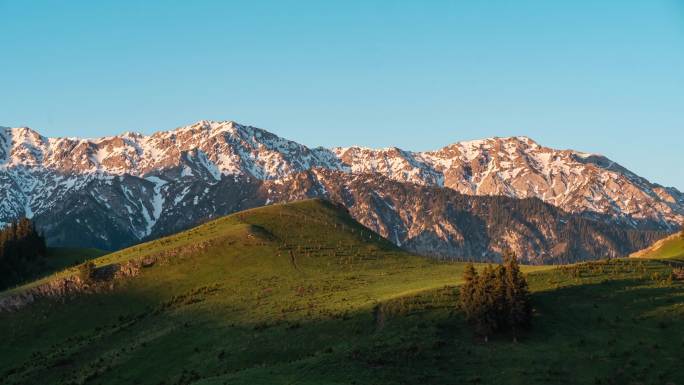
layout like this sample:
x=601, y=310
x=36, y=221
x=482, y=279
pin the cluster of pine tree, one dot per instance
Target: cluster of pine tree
x=22, y=252
x=497, y=299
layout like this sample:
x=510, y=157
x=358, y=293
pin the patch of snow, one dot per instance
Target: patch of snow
x=187, y=171
x=157, y=202
x=180, y=196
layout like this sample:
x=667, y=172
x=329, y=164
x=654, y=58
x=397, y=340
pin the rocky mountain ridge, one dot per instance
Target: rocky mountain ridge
x=115, y=191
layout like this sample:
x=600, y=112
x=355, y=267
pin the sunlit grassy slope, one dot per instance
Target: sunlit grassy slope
x=670, y=247
x=302, y=294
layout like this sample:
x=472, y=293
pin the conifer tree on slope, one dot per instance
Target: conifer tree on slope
x=485, y=317
x=501, y=307
x=22, y=250
x=467, y=290
x=517, y=294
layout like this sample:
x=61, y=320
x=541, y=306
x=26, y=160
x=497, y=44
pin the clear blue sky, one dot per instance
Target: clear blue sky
x=600, y=76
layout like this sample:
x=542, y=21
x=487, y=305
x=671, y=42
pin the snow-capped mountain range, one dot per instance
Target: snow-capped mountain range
x=118, y=190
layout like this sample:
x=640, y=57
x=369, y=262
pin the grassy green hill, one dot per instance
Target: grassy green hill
x=670, y=247
x=302, y=294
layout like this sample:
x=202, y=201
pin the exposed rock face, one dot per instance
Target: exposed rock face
x=102, y=278
x=116, y=191
x=69, y=285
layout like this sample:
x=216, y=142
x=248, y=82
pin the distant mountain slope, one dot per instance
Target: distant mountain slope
x=444, y=223
x=302, y=294
x=116, y=191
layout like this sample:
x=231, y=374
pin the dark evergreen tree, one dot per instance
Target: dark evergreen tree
x=497, y=299
x=22, y=252
x=467, y=290
x=501, y=305
x=517, y=296
x=485, y=318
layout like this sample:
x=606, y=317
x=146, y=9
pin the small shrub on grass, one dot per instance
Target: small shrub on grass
x=86, y=271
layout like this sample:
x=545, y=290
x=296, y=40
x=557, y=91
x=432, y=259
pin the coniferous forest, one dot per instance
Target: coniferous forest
x=22, y=252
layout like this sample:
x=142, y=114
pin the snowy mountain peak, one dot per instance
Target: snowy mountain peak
x=156, y=172
x=209, y=125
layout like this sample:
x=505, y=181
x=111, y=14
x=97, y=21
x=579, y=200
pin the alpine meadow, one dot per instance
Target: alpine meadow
x=410, y=193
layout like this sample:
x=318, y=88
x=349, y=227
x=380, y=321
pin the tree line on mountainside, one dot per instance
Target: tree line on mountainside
x=22, y=252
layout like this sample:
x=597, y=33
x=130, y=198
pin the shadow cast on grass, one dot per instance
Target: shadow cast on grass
x=582, y=334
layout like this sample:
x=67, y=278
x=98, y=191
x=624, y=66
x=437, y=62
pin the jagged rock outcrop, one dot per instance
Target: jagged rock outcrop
x=62, y=287
x=102, y=278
